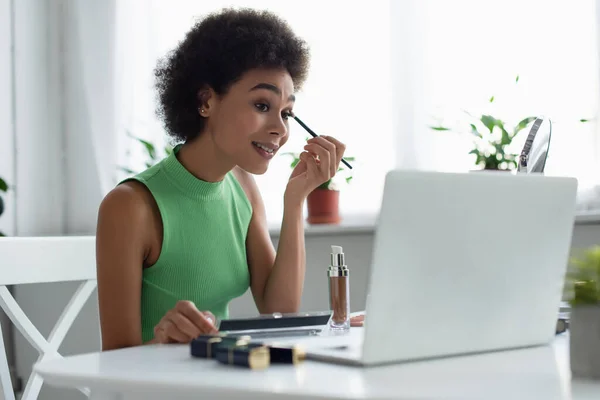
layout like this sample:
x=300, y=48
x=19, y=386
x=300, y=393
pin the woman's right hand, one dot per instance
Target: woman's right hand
x=183, y=323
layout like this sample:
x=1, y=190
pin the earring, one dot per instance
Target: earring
x=201, y=110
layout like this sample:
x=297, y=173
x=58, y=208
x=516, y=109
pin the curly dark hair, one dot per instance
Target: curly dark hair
x=216, y=52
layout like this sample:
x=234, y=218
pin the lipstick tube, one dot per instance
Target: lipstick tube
x=252, y=357
x=205, y=346
x=283, y=354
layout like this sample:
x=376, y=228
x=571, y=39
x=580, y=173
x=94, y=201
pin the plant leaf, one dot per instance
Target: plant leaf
x=492, y=99
x=489, y=122
x=325, y=185
x=127, y=170
x=506, y=138
x=1, y=206
x=475, y=132
x=522, y=125
x=349, y=158
x=584, y=120
x=439, y=128
x=3, y=185
x=517, y=79
x=583, y=278
x=348, y=179
x=149, y=148
x=2, y=234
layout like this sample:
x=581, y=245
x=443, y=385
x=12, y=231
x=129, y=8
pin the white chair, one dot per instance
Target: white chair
x=26, y=260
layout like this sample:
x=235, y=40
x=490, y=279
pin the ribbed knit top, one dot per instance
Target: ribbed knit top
x=203, y=254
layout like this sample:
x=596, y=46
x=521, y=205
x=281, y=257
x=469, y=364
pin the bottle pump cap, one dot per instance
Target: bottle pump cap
x=338, y=263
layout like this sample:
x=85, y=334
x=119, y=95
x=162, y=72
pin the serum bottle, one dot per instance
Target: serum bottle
x=339, y=291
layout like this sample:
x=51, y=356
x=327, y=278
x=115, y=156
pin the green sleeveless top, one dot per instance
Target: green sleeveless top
x=203, y=254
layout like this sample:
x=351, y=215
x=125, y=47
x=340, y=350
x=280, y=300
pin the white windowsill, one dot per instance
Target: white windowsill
x=366, y=224
x=355, y=224
x=587, y=217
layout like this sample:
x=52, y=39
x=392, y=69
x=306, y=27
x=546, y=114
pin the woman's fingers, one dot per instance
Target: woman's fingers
x=188, y=309
x=312, y=167
x=358, y=320
x=210, y=317
x=331, y=149
x=170, y=333
x=340, y=149
x=184, y=325
x=325, y=159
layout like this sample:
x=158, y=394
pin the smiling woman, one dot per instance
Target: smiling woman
x=178, y=241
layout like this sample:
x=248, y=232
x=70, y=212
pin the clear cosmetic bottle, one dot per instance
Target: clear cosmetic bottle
x=339, y=291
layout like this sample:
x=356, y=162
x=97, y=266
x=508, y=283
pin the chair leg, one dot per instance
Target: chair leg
x=34, y=385
x=5, y=379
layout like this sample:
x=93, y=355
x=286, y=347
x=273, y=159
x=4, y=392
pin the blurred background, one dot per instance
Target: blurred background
x=405, y=84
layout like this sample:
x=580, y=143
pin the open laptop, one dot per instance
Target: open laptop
x=462, y=263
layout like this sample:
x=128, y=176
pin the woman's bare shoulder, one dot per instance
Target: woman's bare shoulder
x=129, y=201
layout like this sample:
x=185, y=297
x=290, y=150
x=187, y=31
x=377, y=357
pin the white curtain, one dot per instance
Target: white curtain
x=412, y=142
x=104, y=64
x=93, y=78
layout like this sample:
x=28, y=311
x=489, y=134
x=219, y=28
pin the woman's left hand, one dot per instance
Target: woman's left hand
x=357, y=320
x=319, y=162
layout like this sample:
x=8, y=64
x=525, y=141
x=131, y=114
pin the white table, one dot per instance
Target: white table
x=169, y=372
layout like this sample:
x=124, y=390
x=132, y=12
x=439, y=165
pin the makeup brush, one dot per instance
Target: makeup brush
x=302, y=124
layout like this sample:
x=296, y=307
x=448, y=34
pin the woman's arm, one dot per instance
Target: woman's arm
x=121, y=247
x=129, y=237
x=277, y=278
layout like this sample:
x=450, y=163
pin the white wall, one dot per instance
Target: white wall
x=7, y=221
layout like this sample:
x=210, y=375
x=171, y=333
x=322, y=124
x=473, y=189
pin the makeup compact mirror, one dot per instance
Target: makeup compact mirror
x=535, y=151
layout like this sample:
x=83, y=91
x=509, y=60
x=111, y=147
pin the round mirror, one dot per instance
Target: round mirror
x=535, y=151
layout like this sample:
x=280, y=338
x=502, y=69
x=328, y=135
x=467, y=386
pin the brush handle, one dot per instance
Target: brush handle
x=302, y=124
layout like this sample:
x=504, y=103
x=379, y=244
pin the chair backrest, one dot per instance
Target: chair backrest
x=25, y=260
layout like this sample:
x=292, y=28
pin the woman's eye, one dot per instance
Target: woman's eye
x=262, y=107
x=287, y=115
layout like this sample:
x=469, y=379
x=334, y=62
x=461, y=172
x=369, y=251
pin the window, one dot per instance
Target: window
x=474, y=50
x=383, y=71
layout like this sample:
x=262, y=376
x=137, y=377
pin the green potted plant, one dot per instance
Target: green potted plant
x=3, y=189
x=323, y=203
x=583, y=291
x=492, y=139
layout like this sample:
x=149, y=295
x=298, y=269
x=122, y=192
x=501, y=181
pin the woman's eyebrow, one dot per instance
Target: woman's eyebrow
x=272, y=88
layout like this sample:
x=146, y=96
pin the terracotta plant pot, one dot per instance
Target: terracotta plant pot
x=323, y=207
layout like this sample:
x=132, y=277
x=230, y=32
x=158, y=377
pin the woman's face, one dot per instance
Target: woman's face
x=249, y=124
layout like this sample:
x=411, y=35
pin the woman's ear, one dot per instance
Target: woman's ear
x=206, y=101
